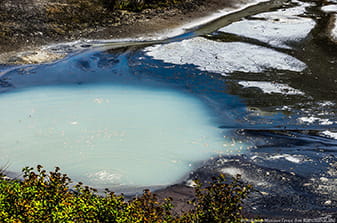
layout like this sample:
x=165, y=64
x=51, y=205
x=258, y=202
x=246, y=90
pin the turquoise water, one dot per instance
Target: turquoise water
x=108, y=135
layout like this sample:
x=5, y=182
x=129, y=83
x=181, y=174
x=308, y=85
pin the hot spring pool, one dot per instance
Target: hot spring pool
x=107, y=135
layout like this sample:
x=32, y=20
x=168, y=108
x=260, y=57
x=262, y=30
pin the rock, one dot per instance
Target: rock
x=328, y=202
x=324, y=179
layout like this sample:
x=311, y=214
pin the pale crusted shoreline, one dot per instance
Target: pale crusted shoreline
x=158, y=24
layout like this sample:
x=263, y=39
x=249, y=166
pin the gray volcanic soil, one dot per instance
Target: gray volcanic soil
x=31, y=23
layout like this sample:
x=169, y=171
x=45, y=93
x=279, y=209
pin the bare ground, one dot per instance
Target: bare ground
x=25, y=24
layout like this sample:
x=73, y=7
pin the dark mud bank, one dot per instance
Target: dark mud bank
x=29, y=23
x=285, y=170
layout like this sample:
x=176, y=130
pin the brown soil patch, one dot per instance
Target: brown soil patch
x=25, y=24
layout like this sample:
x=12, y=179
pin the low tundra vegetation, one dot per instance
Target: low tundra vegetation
x=43, y=196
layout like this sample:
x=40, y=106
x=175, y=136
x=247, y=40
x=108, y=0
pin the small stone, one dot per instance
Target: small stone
x=191, y=183
x=6, y=178
x=328, y=202
x=324, y=179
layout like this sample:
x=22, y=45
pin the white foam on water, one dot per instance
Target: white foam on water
x=106, y=135
x=290, y=158
x=223, y=57
x=330, y=134
x=232, y=171
x=313, y=119
x=269, y=87
x=278, y=28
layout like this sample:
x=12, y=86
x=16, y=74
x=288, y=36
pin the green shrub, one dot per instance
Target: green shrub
x=42, y=197
x=220, y=201
x=48, y=197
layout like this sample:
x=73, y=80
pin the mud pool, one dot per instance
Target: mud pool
x=257, y=86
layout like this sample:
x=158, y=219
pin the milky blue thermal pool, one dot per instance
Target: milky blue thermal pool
x=107, y=135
